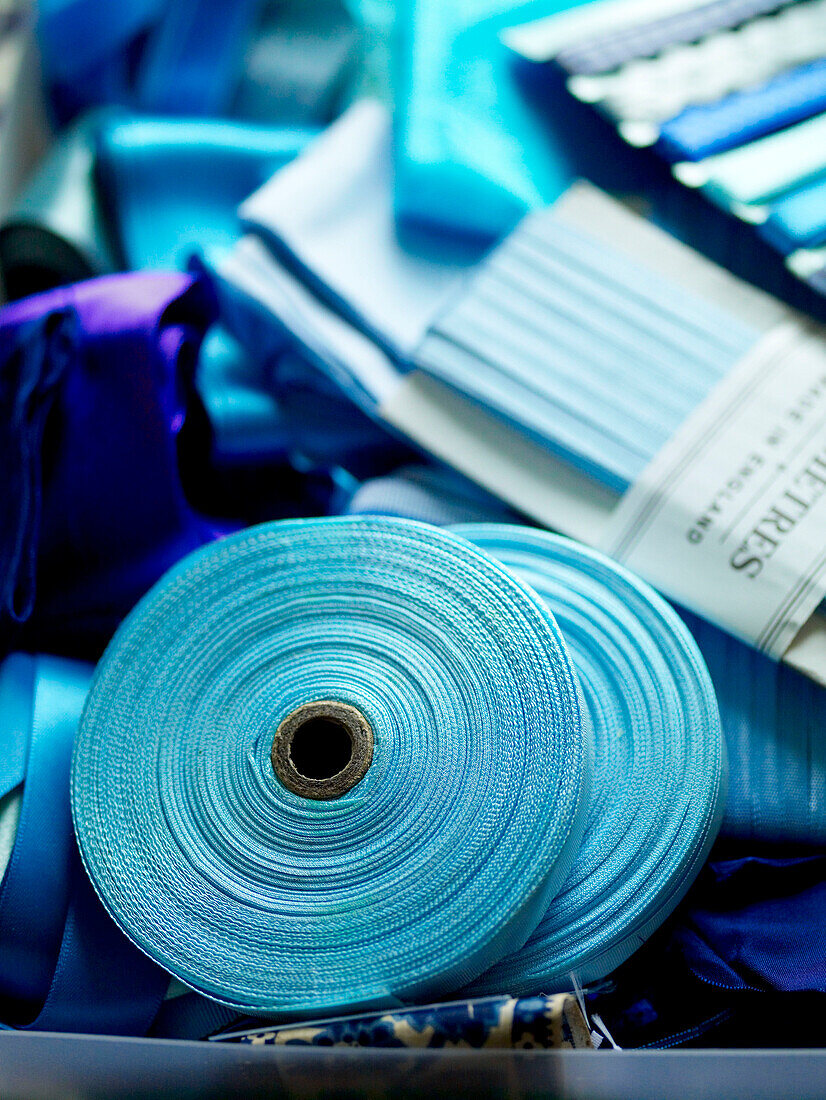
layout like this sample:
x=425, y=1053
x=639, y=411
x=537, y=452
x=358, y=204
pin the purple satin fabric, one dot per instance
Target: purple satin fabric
x=99, y=509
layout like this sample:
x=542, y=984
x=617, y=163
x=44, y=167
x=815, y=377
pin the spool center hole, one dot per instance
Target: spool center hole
x=320, y=748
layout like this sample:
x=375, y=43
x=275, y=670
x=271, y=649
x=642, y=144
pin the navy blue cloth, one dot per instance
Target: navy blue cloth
x=740, y=964
x=756, y=922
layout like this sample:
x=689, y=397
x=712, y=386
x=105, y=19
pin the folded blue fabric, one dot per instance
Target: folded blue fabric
x=260, y=60
x=755, y=923
x=269, y=395
x=478, y=141
x=170, y=186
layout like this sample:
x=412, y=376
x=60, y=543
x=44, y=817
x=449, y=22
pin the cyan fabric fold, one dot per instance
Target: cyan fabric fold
x=480, y=141
x=123, y=191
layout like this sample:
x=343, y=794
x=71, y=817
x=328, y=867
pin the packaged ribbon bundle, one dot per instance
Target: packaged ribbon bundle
x=732, y=94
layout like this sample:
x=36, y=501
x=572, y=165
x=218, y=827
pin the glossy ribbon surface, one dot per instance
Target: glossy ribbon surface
x=64, y=965
x=439, y=862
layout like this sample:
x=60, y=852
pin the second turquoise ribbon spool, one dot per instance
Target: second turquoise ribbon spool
x=660, y=765
x=438, y=862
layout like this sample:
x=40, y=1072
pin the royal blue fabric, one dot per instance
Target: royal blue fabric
x=99, y=504
x=64, y=965
x=756, y=921
x=193, y=59
x=655, y=1001
x=705, y=129
x=198, y=57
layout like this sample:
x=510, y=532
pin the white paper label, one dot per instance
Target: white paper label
x=729, y=519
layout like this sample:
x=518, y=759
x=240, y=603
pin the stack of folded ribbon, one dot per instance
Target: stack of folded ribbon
x=732, y=94
x=311, y=731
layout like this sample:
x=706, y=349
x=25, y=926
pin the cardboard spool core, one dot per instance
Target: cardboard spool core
x=322, y=749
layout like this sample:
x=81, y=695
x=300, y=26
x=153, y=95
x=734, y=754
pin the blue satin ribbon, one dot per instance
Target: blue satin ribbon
x=438, y=862
x=192, y=61
x=64, y=965
x=702, y=130
x=121, y=191
x=660, y=768
x=171, y=186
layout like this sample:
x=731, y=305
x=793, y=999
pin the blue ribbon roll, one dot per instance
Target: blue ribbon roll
x=659, y=776
x=202, y=780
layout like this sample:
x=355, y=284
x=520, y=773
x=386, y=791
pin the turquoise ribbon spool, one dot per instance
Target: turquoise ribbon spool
x=408, y=883
x=660, y=766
